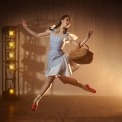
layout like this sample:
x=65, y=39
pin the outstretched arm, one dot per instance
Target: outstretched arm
x=80, y=44
x=90, y=33
x=46, y=33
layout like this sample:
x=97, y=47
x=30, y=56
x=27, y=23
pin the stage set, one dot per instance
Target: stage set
x=24, y=61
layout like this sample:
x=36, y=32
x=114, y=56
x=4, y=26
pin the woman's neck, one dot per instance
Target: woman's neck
x=60, y=30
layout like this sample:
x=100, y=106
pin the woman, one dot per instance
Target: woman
x=58, y=62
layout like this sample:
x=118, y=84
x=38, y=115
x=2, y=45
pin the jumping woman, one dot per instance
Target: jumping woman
x=59, y=64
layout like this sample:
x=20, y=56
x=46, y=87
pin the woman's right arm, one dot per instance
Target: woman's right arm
x=46, y=33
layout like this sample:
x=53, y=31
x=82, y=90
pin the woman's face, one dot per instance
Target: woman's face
x=66, y=22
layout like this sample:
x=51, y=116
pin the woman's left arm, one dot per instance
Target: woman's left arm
x=80, y=44
x=90, y=33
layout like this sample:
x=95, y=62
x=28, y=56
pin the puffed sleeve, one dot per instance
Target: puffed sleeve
x=71, y=37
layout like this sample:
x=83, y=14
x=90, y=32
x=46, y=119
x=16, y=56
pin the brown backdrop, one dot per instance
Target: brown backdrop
x=103, y=17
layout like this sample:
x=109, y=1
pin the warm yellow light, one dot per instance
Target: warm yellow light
x=12, y=66
x=11, y=45
x=11, y=91
x=11, y=33
x=11, y=55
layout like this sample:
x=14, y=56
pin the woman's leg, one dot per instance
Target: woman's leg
x=72, y=81
x=74, y=66
x=44, y=89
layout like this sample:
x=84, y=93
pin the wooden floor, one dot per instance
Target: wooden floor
x=63, y=109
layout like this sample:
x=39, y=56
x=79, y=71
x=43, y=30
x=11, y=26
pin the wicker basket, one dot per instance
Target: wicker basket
x=81, y=56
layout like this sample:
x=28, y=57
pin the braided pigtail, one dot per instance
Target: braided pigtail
x=55, y=26
x=65, y=30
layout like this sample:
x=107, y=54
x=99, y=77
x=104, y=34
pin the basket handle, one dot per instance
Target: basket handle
x=87, y=46
x=83, y=45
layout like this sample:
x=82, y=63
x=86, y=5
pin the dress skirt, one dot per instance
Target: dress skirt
x=63, y=68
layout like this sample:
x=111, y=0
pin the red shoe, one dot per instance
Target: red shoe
x=34, y=106
x=88, y=88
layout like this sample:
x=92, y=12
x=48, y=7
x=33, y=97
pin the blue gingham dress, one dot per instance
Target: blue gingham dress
x=58, y=61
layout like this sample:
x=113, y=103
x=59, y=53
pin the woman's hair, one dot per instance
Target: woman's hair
x=59, y=24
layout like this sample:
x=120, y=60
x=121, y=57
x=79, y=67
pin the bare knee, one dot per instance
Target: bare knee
x=63, y=79
x=74, y=66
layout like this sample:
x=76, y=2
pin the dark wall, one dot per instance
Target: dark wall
x=103, y=16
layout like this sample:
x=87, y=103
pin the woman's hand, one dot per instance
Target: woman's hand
x=90, y=33
x=24, y=23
